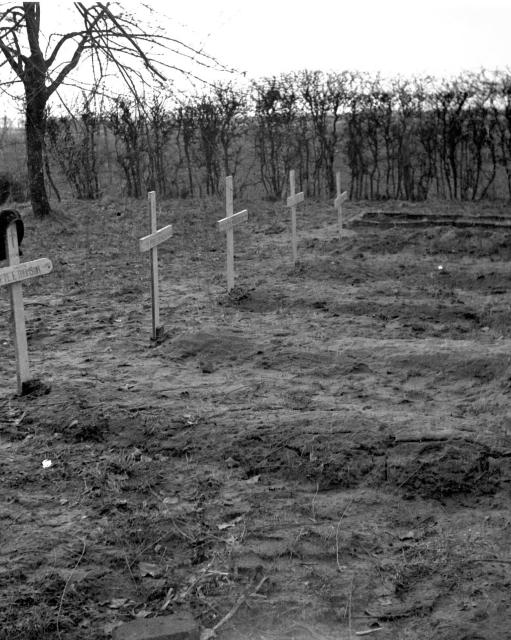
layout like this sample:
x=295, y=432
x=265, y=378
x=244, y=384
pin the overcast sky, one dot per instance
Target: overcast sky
x=394, y=36
x=266, y=37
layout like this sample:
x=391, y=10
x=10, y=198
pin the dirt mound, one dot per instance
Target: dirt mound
x=219, y=346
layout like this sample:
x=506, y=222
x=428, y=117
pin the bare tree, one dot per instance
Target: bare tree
x=106, y=35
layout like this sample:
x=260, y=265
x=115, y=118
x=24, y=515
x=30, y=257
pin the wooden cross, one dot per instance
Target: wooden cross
x=12, y=276
x=150, y=243
x=341, y=197
x=227, y=224
x=292, y=201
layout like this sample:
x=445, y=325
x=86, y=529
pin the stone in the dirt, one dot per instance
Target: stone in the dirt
x=179, y=626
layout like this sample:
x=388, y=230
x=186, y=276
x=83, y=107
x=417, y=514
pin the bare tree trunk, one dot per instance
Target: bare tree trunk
x=35, y=123
x=36, y=95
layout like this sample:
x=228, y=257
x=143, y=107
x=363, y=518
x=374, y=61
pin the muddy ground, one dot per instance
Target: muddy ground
x=324, y=452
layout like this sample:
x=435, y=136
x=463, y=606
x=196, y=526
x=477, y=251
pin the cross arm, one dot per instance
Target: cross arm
x=232, y=221
x=295, y=199
x=154, y=239
x=340, y=199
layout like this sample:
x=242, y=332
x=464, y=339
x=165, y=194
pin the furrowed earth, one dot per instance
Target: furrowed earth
x=322, y=452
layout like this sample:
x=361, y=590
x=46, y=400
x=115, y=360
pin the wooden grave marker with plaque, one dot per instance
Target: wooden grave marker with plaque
x=12, y=276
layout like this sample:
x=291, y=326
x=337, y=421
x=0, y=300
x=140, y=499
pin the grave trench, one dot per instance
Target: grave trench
x=291, y=460
x=430, y=470
x=314, y=446
x=430, y=317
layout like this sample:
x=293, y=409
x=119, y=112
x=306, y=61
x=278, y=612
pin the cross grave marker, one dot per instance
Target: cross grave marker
x=293, y=200
x=12, y=276
x=340, y=198
x=150, y=243
x=227, y=224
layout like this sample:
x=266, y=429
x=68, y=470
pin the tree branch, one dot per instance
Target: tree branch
x=110, y=37
x=133, y=41
x=13, y=53
x=11, y=15
x=86, y=38
x=51, y=59
x=15, y=64
x=68, y=67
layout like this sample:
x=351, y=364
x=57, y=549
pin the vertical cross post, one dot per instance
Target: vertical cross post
x=227, y=224
x=18, y=311
x=155, y=286
x=340, y=198
x=292, y=201
x=12, y=276
x=229, y=210
x=150, y=243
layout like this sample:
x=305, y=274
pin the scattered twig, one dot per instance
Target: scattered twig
x=181, y=533
x=277, y=448
x=168, y=599
x=17, y=421
x=65, y=588
x=238, y=604
x=408, y=478
x=337, y=532
x=313, y=506
x=129, y=569
x=151, y=544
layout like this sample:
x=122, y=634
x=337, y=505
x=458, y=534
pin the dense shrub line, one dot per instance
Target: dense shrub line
x=399, y=138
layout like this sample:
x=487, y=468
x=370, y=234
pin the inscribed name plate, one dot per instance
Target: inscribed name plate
x=24, y=271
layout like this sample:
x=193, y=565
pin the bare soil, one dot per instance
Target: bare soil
x=323, y=452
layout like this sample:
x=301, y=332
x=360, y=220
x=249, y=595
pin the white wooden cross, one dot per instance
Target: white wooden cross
x=341, y=197
x=227, y=224
x=12, y=276
x=150, y=243
x=292, y=201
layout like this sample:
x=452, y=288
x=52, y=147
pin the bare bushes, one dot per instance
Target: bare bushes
x=71, y=141
x=397, y=138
